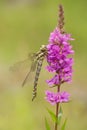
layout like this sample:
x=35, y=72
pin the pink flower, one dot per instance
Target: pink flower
x=59, y=97
x=57, y=37
x=58, y=57
x=54, y=80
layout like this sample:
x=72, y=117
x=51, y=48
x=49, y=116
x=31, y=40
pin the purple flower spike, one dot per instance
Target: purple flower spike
x=57, y=37
x=58, y=57
x=59, y=97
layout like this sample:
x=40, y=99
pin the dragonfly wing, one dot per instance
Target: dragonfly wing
x=20, y=65
x=23, y=64
x=26, y=78
x=33, y=67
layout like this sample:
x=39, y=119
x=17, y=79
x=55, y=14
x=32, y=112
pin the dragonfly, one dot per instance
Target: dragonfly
x=37, y=61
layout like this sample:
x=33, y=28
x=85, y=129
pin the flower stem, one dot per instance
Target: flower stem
x=57, y=110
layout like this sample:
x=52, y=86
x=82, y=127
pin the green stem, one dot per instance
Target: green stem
x=57, y=110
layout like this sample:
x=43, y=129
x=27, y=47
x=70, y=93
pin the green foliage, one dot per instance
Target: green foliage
x=55, y=119
x=64, y=125
x=53, y=116
x=47, y=125
x=60, y=115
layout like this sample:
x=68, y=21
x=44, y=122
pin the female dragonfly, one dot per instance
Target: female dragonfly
x=37, y=61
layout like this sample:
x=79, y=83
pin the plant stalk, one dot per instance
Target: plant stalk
x=57, y=110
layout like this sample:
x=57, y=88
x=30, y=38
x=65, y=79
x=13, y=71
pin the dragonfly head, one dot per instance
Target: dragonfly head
x=43, y=48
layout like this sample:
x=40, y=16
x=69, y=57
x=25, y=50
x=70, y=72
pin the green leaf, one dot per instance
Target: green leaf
x=64, y=125
x=47, y=125
x=53, y=116
x=60, y=115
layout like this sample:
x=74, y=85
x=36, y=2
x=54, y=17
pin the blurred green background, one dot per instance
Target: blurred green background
x=24, y=26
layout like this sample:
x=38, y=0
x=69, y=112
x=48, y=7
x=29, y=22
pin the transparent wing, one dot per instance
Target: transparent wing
x=32, y=69
x=21, y=65
x=21, y=68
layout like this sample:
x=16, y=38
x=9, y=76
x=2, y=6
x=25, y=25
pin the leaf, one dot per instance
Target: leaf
x=64, y=125
x=60, y=115
x=53, y=116
x=47, y=125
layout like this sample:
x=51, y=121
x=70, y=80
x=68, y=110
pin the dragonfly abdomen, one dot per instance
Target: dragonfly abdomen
x=39, y=65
